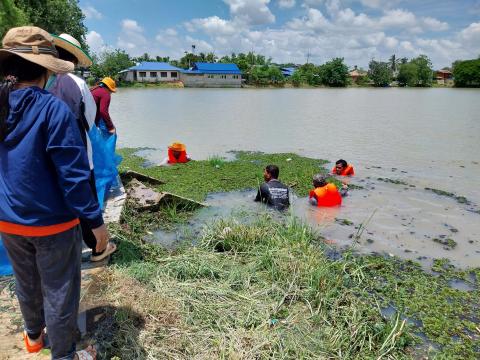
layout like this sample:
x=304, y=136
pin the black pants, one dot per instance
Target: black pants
x=88, y=236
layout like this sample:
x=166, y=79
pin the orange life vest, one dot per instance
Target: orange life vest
x=327, y=195
x=348, y=171
x=181, y=159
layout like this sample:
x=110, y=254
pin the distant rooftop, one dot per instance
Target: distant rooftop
x=213, y=68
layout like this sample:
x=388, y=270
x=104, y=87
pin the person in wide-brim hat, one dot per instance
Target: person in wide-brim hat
x=43, y=193
x=73, y=46
x=35, y=45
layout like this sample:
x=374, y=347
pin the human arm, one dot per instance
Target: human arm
x=104, y=105
x=69, y=157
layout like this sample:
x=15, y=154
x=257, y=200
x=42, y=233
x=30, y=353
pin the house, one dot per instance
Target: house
x=356, y=75
x=287, y=71
x=149, y=71
x=444, y=77
x=212, y=75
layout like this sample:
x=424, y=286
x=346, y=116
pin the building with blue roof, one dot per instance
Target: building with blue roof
x=287, y=71
x=212, y=75
x=149, y=71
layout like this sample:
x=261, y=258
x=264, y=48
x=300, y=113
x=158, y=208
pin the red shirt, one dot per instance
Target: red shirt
x=102, y=99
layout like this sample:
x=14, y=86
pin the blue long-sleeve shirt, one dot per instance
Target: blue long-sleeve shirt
x=44, y=170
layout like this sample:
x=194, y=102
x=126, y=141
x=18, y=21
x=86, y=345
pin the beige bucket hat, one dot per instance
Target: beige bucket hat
x=35, y=45
x=72, y=45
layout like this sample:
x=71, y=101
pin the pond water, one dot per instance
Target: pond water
x=424, y=137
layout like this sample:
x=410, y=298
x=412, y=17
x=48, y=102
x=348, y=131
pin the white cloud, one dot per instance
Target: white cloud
x=252, y=12
x=314, y=20
x=131, y=37
x=397, y=18
x=286, y=4
x=433, y=24
x=212, y=25
x=91, y=13
x=379, y=4
x=471, y=35
x=95, y=42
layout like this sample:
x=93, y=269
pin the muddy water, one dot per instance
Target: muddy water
x=397, y=220
x=433, y=134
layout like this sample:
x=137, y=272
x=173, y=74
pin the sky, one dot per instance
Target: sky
x=289, y=30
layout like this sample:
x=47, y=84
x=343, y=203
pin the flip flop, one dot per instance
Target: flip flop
x=85, y=354
x=32, y=348
x=110, y=249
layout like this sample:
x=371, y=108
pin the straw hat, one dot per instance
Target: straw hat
x=72, y=45
x=35, y=45
x=177, y=146
x=110, y=83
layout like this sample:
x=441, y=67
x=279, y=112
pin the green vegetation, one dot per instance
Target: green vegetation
x=333, y=73
x=417, y=72
x=268, y=289
x=467, y=73
x=447, y=242
x=380, y=73
x=54, y=16
x=266, y=75
x=110, y=63
x=198, y=178
x=460, y=199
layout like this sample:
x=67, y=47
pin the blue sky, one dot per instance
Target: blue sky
x=289, y=30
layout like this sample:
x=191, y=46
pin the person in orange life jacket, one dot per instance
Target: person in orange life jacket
x=177, y=154
x=272, y=192
x=324, y=194
x=76, y=94
x=44, y=190
x=342, y=168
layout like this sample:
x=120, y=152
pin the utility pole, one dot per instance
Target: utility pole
x=308, y=56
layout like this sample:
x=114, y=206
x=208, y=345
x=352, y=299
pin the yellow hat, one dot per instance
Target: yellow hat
x=177, y=146
x=110, y=83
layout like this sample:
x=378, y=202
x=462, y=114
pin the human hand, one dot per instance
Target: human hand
x=112, y=131
x=102, y=236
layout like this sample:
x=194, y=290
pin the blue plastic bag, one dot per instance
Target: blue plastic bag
x=5, y=267
x=105, y=161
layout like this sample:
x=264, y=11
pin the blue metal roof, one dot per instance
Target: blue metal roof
x=154, y=66
x=288, y=71
x=214, y=68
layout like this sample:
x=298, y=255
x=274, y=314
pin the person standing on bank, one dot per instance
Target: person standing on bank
x=44, y=190
x=102, y=96
x=76, y=94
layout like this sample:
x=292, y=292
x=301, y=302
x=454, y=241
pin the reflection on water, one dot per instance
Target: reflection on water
x=405, y=222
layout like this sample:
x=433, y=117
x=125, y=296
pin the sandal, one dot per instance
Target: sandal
x=88, y=353
x=33, y=348
x=110, y=249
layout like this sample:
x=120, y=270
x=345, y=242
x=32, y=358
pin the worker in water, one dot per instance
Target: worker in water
x=177, y=154
x=342, y=168
x=324, y=194
x=272, y=192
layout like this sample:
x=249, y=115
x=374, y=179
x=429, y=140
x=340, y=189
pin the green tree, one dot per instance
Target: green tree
x=266, y=75
x=334, y=73
x=110, y=63
x=380, y=73
x=10, y=16
x=424, y=70
x=467, y=73
x=55, y=16
x=407, y=75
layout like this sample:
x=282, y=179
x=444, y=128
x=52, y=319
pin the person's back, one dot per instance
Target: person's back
x=325, y=194
x=273, y=192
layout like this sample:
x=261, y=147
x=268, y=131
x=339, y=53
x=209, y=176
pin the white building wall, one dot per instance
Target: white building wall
x=130, y=76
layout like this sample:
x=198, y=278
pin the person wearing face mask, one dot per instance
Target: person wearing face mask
x=75, y=93
x=44, y=190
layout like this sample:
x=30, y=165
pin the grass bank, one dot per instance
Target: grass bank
x=271, y=289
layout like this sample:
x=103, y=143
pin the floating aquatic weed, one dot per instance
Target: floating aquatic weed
x=447, y=242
